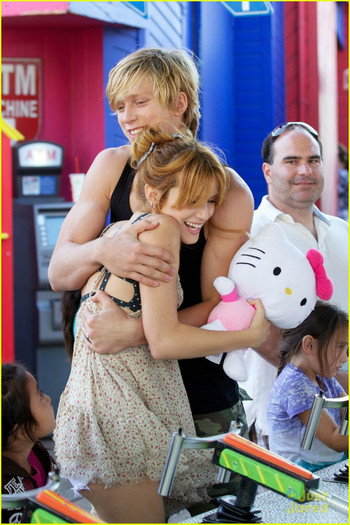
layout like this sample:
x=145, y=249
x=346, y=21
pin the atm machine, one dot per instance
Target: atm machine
x=38, y=213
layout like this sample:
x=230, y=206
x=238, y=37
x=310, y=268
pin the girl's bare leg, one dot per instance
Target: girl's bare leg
x=139, y=503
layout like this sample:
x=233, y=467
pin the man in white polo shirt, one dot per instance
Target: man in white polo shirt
x=293, y=170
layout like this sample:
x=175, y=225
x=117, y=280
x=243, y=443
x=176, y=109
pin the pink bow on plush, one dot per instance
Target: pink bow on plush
x=324, y=286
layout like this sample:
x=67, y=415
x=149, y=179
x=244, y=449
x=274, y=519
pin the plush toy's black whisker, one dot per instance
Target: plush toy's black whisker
x=249, y=255
x=248, y=264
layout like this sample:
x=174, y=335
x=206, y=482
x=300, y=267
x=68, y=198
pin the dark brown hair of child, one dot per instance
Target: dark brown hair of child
x=15, y=402
x=321, y=324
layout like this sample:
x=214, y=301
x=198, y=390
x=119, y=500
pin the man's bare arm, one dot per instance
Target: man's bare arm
x=269, y=350
x=79, y=251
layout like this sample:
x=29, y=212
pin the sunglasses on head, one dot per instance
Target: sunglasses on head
x=280, y=129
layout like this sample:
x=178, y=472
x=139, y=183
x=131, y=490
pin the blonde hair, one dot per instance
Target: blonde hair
x=167, y=161
x=170, y=71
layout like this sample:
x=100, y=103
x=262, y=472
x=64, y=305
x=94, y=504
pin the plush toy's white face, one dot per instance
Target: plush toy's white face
x=271, y=268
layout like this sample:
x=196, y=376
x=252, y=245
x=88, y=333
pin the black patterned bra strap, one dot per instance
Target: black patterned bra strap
x=135, y=303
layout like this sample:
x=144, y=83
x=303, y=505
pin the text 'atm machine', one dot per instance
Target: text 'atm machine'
x=38, y=213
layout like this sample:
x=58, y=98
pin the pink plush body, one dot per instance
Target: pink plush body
x=234, y=315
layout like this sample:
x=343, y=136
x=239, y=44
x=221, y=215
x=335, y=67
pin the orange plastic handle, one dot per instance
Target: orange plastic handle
x=66, y=508
x=258, y=452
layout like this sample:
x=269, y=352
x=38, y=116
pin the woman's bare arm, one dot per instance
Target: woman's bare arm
x=166, y=336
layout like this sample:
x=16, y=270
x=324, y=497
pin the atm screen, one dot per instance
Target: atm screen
x=53, y=225
x=48, y=219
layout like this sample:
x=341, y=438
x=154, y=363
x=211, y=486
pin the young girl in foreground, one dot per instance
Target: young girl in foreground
x=118, y=411
x=27, y=415
x=311, y=355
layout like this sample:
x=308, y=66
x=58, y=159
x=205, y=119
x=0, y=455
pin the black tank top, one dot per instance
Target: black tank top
x=208, y=388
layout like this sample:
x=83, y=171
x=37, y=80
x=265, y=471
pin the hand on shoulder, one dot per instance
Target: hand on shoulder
x=167, y=232
x=145, y=257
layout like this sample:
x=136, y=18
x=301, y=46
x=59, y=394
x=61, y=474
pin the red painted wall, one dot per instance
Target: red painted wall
x=343, y=94
x=72, y=87
x=301, y=62
x=7, y=310
x=302, y=75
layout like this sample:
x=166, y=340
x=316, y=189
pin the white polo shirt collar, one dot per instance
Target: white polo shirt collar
x=271, y=212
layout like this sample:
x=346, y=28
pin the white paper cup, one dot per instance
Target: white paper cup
x=76, y=183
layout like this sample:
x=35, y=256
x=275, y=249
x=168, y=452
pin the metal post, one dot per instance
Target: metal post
x=313, y=421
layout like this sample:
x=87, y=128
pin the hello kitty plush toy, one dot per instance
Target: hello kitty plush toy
x=274, y=270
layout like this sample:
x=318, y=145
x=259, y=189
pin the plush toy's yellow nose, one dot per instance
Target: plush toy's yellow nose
x=288, y=291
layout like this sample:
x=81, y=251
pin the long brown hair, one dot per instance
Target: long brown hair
x=69, y=306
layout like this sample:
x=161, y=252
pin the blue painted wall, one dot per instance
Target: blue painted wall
x=216, y=50
x=166, y=24
x=242, y=72
x=241, y=63
x=117, y=43
x=162, y=25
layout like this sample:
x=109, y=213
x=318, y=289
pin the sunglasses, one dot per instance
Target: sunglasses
x=280, y=129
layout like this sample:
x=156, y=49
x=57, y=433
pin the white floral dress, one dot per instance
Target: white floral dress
x=116, y=417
